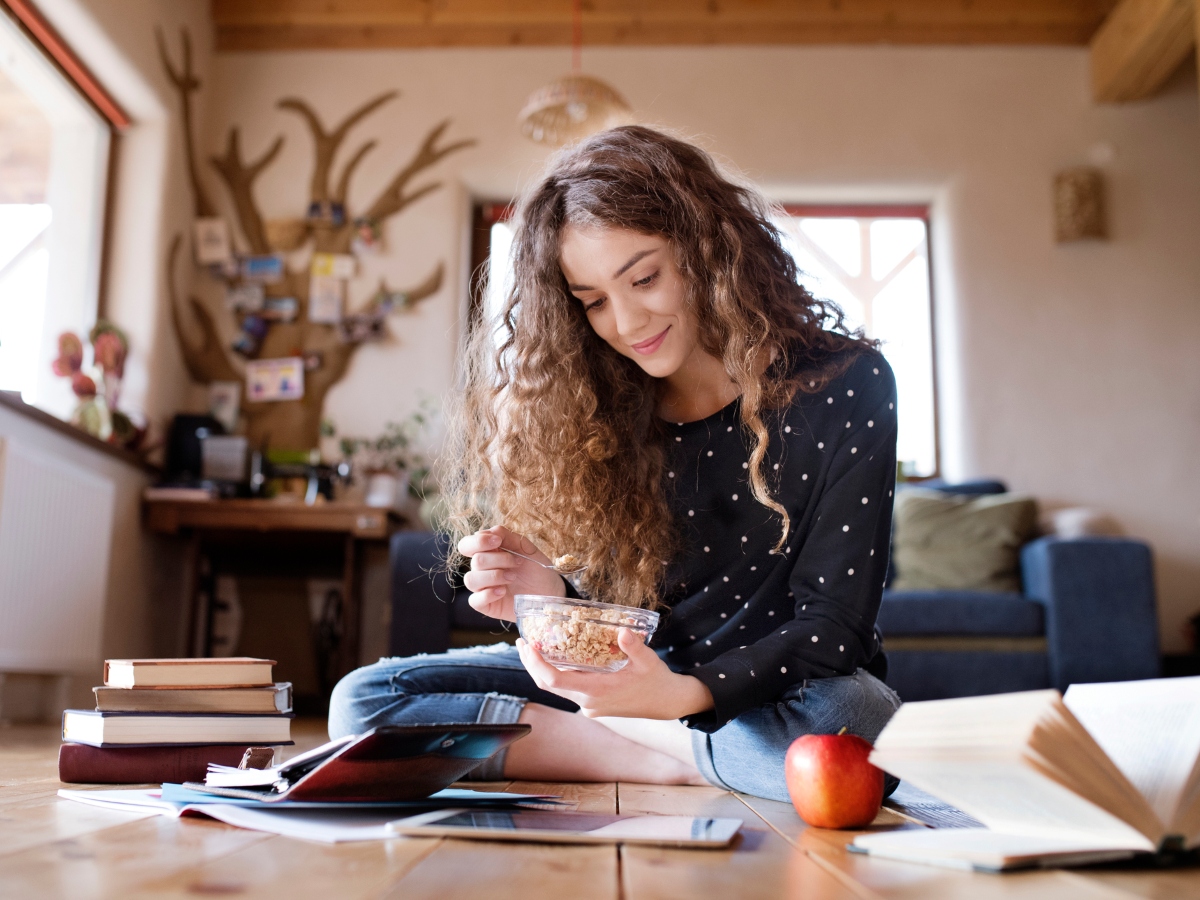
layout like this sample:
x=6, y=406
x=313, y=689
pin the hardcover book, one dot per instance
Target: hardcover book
x=116, y=729
x=265, y=700
x=200, y=672
x=83, y=764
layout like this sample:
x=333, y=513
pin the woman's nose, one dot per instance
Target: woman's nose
x=630, y=317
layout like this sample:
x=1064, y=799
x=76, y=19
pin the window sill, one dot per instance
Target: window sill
x=17, y=405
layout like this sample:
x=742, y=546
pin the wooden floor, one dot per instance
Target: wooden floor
x=56, y=848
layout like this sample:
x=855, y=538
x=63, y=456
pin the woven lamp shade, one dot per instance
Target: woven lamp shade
x=570, y=108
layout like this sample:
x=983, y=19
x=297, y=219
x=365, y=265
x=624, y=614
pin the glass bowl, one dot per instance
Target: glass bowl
x=580, y=634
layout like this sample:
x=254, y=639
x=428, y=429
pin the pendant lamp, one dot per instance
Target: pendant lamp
x=573, y=106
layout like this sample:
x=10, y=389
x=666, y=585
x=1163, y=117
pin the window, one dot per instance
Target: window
x=54, y=160
x=491, y=245
x=873, y=262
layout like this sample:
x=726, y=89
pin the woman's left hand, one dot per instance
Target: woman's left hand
x=645, y=689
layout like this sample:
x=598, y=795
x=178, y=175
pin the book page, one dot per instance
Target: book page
x=1014, y=799
x=976, y=848
x=1150, y=730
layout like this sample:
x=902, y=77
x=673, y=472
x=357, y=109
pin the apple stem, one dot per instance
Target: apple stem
x=843, y=731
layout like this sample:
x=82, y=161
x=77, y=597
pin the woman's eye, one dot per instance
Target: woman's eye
x=595, y=304
x=648, y=280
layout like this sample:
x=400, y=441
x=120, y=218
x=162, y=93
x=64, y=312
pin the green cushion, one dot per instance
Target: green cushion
x=953, y=542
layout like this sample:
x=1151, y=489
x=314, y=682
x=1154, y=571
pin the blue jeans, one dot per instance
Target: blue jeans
x=489, y=684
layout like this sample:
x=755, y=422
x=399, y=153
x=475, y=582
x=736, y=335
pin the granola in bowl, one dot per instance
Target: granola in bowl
x=580, y=634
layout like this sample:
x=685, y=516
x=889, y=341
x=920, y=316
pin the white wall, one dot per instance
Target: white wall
x=1073, y=372
x=142, y=609
x=150, y=201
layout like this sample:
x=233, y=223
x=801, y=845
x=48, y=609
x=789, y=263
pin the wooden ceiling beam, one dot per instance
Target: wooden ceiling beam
x=246, y=25
x=1139, y=46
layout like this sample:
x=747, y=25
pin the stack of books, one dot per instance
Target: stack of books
x=166, y=720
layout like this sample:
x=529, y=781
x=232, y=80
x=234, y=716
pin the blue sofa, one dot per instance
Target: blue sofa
x=1086, y=613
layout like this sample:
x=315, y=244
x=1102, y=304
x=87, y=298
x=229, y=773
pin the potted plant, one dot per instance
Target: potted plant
x=390, y=467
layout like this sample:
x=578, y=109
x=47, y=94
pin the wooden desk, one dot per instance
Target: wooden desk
x=206, y=522
x=57, y=848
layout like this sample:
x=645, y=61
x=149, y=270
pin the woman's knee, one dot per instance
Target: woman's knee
x=877, y=704
x=356, y=697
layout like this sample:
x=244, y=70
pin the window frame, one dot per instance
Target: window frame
x=894, y=211
x=43, y=36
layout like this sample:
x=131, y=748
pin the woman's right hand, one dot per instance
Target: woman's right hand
x=497, y=577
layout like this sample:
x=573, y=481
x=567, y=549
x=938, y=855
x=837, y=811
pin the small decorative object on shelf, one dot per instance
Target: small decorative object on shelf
x=98, y=393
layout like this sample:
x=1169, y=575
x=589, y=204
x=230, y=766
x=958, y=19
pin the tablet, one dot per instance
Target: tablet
x=551, y=826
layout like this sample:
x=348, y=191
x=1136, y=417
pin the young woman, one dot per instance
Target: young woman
x=666, y=403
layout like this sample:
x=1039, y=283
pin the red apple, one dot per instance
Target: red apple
x=830, y=781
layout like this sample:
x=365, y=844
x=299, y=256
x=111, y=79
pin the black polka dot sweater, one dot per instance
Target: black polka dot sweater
x=750, y=622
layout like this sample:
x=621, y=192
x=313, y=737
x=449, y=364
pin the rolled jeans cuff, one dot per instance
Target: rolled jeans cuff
x=499, y=709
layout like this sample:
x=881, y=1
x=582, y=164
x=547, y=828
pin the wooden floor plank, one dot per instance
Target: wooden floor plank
x=910, y=881
x=598, y=798
x=113, y=861
x=500, y=870
x=1178, y=884
x=761, y=864
x=43, y=818
x=279, y=867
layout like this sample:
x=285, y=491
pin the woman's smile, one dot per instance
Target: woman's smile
x=648, y=346
x=628, y=283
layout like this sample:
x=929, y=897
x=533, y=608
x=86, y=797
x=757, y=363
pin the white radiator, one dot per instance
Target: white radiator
x=55, y=535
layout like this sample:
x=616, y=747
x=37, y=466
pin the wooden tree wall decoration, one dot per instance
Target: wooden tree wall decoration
x=291, y=424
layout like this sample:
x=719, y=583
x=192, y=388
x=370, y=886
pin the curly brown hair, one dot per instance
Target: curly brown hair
x=554, y=433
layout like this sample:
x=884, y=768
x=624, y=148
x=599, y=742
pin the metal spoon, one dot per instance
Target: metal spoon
x=561, y=571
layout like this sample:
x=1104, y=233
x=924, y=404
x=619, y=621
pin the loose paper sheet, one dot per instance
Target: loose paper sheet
x=334, y=265
x=210, y=240
x=325, y=297
x=275, y=379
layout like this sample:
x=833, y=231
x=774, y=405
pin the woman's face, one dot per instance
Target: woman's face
x=633, y=295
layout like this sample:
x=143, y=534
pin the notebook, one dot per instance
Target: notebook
x=1108, y=771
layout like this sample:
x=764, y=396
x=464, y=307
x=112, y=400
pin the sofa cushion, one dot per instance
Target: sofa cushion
x=957, y=542
x=971, y=488
x=960, y=612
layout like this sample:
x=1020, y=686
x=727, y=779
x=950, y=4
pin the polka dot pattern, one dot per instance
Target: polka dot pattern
x=779, y=614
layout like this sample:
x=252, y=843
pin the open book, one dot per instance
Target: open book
x=1106, y=772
